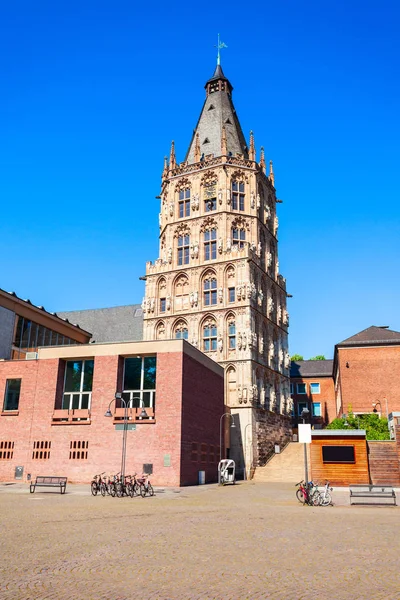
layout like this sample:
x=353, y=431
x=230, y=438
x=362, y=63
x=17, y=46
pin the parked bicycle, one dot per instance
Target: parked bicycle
x=145, y=486
x=96, y=484
x=308, y=493
x=325, y=496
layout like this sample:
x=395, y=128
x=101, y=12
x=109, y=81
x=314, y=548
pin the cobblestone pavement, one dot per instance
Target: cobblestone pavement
x=249, y=541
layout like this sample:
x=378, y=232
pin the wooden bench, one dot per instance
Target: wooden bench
x=372, y=494
x=41, y=481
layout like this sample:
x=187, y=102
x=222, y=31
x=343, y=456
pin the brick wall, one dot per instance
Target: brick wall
x=326, y=398
x=157, y=443
x=373, y=373
x=272, y=429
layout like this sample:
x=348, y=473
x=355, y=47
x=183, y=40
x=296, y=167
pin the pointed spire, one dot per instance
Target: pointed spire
x=224, y=145
x=165, y=170
x=252, y=150
x=271, y=175
x=262, y=160
x=172, y=159
x=197, y=148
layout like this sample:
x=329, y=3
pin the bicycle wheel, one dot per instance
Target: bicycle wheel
x=136, y=489
x=93, y=488
x=315, y=499
x=301, y=497
x=113, y=490
x=103, y=489
x=143, y=491
x=150, y=490
x=326, y=499
x=120, y=490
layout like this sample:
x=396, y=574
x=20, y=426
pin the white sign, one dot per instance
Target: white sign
x=304, y=433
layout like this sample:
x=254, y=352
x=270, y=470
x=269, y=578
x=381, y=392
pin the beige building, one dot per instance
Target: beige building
x=216, y=282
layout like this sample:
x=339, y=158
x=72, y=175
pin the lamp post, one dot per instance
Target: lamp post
x=233, y=426
x=118, y=396
x=245, y=450
x=304, y=414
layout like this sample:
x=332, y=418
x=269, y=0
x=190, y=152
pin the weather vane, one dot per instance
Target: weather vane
x=220, y=45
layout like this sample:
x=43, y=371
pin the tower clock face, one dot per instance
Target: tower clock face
x=210, y=191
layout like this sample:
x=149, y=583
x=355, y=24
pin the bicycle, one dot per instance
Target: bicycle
x=307, y=493
x=96, y=484
x=325, y=496
x=145, y=486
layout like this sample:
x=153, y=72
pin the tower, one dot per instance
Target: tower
x=216, y=282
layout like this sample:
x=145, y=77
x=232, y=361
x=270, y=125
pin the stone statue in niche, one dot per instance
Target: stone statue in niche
x=281, y=357
x=168, y=302
x=239, y=289
x=252, y=200
x=144, y=304
x=220, y=245
x=170, y=255
x=255, y=337
x=262, y=396
x=248, y=289
x=258, y=201
x=220, y=343
x=171, y=209
x=277, y=269
x=260, y=297
x=196, y=297
x=148, y=305
x=272, y=399
x=250, y=339
x=164, y=256
x=244, y=340
x=220, y=294
x=245, y=395
x=271, y=351
x=239, y=394
x=228, y=196
x=251, y=393
x=196, y=249
x=194, y=342
x=279, y=314
x=287, y=360
x=255, y=392
x=276, y=224
x=285, y=318
x=267, y=212
x=253, y=247
x=152, y=304
x=191, y=299
x=239, y=341
x=269, y=259
x=259, y=249
x=261, y=345
x=289, y=405
x=220, y=195
x=270, y=306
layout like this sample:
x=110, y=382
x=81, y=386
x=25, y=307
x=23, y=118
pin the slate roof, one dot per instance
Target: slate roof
x=372, y=336
x=115, y=324
x=311, y=368
x=218, y=110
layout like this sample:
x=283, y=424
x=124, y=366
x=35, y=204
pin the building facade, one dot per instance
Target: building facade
x=311, y=387
x=216, y=282
x=53, y=419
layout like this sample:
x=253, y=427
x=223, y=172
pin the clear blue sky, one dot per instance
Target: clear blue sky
x=92, y=93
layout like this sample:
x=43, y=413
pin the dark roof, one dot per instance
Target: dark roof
x=372, y=336
x=218, y=74
x=311, y=368
x=115, y=324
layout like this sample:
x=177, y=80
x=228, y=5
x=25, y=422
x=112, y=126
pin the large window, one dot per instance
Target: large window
x=181, y=331
x=78, y=384
x=231, y=334
x=210, y=292
x=238, y=237
x=237, y=195
x=231, y=294
x=29, y=336
x=315, y=388
x=184, y=203
x=183, y=249
x=301, y=389
x=140, y=381
x=338, y=454
x=316, y=409
x=209, y=336
x=11, y=398
x=210, y=244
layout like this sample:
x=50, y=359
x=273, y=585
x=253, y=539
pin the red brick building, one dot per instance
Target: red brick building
x=53, y=415
x=311, y=387
x=366, y=372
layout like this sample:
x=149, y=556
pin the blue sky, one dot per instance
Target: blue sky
x=92, y=93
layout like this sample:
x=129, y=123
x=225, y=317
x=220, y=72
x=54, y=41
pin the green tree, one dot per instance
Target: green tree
x=318, y=357
x=297, y=357
x=376, y=428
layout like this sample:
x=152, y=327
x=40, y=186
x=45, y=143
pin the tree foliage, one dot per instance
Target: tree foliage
x=318, y=357
x=297, y=357
x=376, y=427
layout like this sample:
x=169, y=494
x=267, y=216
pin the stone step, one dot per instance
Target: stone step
x=288, y=466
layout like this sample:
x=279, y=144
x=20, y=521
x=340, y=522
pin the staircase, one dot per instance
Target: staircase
x=288, y=466
x=383, y=462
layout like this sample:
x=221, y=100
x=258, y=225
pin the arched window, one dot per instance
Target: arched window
x=238, y=237
x=230, y=283
x=184, y=203
x=181, y=331
x=209, y=336
x=181, y=293
x=162, y=293
x=210, y=244
x=231, y=385
x=160, y=331
x=237, y=195
x=183, y=249
x=231, y=333
x=210, y=291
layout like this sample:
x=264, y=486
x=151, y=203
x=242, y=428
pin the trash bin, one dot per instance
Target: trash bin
x=202, y=477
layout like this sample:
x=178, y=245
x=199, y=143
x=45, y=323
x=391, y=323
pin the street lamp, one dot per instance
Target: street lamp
x=233, y=426
x=304, y=415
x=118, y=396
x=245, y=452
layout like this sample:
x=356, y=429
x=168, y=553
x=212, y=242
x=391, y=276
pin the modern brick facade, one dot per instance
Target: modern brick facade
x=311, y=386
x=189, y=405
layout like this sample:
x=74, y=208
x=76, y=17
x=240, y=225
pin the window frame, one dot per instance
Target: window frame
x=81, y=392
x=319, y=388
x=305, y=389
x=212, y=339
x=231, y=336
x=232, y=292
x=163, y=305
x=183, y=249
x=210, y=293
x=184, y=203
x=210, y=244
x=138, y=393
x=238, y=195
x=6, y=392
x=238, y=236
x=314, y=404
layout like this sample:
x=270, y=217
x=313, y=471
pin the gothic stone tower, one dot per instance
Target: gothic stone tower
x=216, y=282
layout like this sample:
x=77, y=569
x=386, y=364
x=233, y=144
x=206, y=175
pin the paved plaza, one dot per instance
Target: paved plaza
x=237, y=542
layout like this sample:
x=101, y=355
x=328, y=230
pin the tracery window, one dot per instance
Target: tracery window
x=209, y=336
x=210, y=244
x=184, y=203
x=183, y=249
x=181, y=331
x=231, y=333
x=238, y=195
x=182, y=293
x=238, y=237
x=210, y=291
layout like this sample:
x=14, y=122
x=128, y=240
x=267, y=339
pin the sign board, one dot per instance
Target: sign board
x=19, y=472
x=304, y=433
x=129, y=427
x=167, y=460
